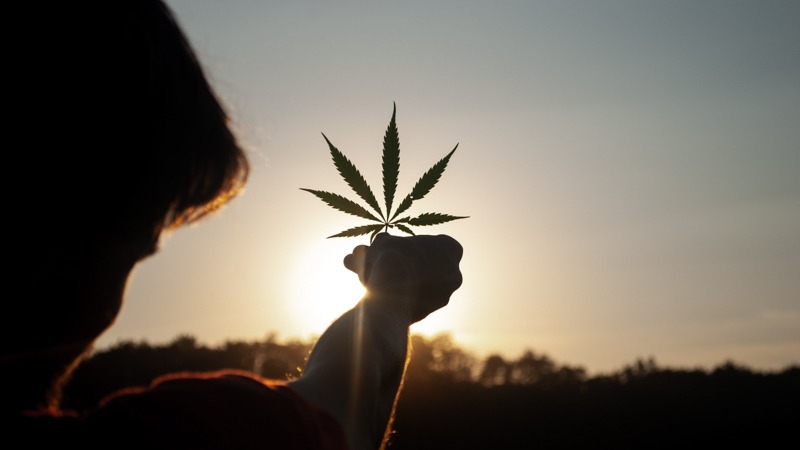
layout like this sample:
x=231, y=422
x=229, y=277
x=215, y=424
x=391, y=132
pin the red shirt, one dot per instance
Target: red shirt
x=221, y=410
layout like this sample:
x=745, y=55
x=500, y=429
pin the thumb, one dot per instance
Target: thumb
x=356, y=262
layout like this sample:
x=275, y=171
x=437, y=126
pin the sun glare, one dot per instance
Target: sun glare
x=323, y=288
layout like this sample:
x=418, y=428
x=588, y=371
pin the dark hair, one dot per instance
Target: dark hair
x=136, y=142
x=181, y=155
x=123, y=120
x=119, y=136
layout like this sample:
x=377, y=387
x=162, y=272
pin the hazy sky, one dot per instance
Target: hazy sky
x=631, y=170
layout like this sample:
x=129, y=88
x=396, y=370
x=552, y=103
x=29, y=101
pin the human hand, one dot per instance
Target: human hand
x=415, y=275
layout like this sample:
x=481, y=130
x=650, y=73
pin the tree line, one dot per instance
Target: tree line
x=451, y=399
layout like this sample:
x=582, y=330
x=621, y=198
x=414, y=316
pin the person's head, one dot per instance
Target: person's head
x=126, y=139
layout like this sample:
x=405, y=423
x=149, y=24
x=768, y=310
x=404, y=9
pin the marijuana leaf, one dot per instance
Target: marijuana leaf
x=391, y=170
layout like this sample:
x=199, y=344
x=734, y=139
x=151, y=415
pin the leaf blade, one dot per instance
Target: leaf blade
x=404, y=229
x=390, y=161
x=359, y=231
x=353, y=177
x=424, y=185
x=403, y=206
x=343, y=204
x=426, y=219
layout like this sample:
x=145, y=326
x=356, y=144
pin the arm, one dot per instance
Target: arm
x=356, y=368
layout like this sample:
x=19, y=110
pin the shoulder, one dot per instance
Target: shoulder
x=210, y=410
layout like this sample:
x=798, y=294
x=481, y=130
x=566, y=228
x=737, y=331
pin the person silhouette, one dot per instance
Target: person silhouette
x=125, y=140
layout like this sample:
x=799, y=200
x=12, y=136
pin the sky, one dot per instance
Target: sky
x=630, y=170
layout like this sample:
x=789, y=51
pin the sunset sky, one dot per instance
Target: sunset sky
x=631, y=170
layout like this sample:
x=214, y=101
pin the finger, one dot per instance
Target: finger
x=390, y=272
x=450, y=246
x=380, y=237
x=356, y=260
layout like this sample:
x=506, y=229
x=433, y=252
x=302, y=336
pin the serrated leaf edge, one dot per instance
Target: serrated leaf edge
x=343, y=204
x=390, y=161
x=426, y=182
x=352, y=176
x=390, y=170
x=359, y=231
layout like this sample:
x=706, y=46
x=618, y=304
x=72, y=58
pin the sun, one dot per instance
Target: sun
x=323, y=289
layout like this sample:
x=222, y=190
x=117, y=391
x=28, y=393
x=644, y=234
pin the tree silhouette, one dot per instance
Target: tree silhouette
x=496, y=371
x=452, y=400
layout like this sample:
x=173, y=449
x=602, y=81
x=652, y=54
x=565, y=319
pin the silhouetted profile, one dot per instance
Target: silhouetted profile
x=122, y=139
